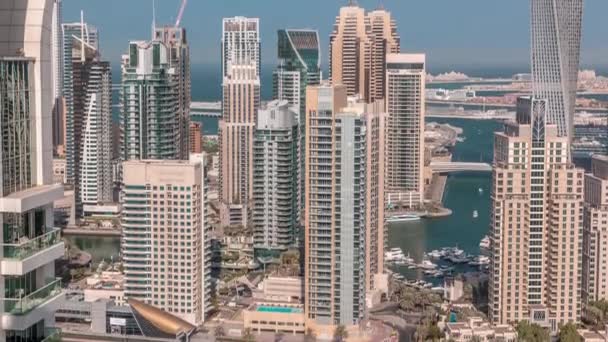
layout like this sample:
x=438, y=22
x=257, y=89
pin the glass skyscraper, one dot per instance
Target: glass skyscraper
x=556, y=42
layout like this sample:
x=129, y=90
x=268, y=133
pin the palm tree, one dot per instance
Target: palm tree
x=340, y=334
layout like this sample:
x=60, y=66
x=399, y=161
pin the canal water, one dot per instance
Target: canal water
x=461, y=195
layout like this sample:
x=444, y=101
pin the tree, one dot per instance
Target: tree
x=531, y=332
x=219, y=331
x=340, y=334
x=434, y=333
x=568, y=333
x=248, y=335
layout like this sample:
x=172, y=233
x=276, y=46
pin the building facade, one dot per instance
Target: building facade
x=536, y=220
x=556, y=40
x=74, y=35
x=405, y=106
x=163, y=236
x=299, y=66
x=241, y=101
x=57, y=60
x=358, y=47
x=595, y=232
x=275, y=178
x=240, y=43
x=150, y=116
x=196, y=137
x=31, y=293
x=175, y=39
x=335, y=210
x=91, y=131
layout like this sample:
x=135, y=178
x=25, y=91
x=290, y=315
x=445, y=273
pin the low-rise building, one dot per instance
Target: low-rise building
x=593, y=336
x=480, y=329
x=284, y=289
x=277, y=317
x=105, y=285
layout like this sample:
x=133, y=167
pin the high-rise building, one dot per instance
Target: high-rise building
x=151, y=122
x=175, y=40
x=358, y=47
x=57, y=60
x=241, y=100
x=74, y=35
x=30, y=292
x=405, y=105
x=536, y=223
x=163, y=235
x=595, y=232
x=240, y=43
x=275, y=178
x=335, y=210
x=91, y=128
x=93, y=97
x=556, y=41
x=299, y=66
x=196, y=138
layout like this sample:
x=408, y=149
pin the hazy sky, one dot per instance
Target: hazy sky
x=453, y=33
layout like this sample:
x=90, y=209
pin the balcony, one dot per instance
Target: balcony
x=23, y=257
x=21, y=313
x=25, y=200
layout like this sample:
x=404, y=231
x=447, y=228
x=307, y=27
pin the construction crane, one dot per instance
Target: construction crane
x=181, y=12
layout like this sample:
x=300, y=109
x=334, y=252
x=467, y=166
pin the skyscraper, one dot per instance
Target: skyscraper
x=90, y=127
x=92, y=80
x=174, y=38
x=335, y=210
x=164, y=236
x=536, y=219
x=299, y=66
x=74, y=35
x=241, y=100
x=405, y=105
x=595, y=232
x=556, y=40
x=150, y=117
x=240, y=43
x=57, y=60
x=30, y=292
x=358, y=47
x=275, y=178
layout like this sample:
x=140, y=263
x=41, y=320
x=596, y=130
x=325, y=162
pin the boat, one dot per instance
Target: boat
x=480, y=261
x=435, y=254
x=427, y=264
x=403, y=218
x=480, y=190
x=475, y=214
x=394, y=255
x=485, y=243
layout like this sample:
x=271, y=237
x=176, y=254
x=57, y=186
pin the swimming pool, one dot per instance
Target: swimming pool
x=279, y=309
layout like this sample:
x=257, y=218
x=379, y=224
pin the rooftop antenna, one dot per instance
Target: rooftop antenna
x=153, y=17
x=82, y=51
x=180, y=13
x=352, y=2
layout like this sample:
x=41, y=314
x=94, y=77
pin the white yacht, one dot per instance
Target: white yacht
x=485, y=243
x=475, y=214
x=394, y=255
x=403, y=218
x=427, y=264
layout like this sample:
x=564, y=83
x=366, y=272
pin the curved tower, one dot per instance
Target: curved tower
x=556, y=41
